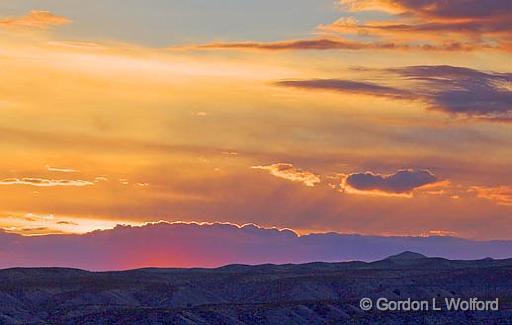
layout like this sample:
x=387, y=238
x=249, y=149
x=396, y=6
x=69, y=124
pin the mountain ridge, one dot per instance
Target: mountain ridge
x=215, y=245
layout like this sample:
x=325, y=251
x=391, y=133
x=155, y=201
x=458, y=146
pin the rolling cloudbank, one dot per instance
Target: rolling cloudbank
x=213, y=245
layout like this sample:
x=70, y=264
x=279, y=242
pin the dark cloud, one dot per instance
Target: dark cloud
x=455, y=8
x=485, y=95
x=347, y=86
x=37, y=229
x=462, y=90
x=401, y=182
x=212, y=245
x=69, y=223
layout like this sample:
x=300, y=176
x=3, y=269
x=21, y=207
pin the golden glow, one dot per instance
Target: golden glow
x=99, y=133
x=31, y=224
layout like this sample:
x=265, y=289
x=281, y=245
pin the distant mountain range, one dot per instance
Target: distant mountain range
x=314, y=293
x=214, y=245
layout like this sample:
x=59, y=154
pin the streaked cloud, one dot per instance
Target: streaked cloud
x=291, y=173
x=439, y=233
x=331, y=43
x=42, y=182
x=70, y=223
x=348, y=86
x=36, y=19
x=230, y=153
x=60, y=170
x=403, y=182
x=300, y=44
x=455, y=90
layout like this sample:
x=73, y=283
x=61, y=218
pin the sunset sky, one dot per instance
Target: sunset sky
x=379, y=117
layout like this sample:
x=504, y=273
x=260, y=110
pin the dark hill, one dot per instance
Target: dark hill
x=406, y=256
x=314, y=293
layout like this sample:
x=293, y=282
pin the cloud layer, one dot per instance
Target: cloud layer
x=474, y=23
x=459, y=25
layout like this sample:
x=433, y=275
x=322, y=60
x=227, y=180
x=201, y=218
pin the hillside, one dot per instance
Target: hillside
x=311, y=293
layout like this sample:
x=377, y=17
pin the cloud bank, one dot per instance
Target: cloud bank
x=212, y=245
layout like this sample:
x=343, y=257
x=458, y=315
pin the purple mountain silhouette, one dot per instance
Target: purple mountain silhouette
x=213, y=245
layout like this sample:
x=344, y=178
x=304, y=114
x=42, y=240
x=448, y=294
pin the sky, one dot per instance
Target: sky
x=375, y=117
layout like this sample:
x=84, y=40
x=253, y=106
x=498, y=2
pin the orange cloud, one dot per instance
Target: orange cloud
x=331, y=43
x=34, y=224
x=501, y=195
x=474, y=23
x=430, y=25
x=291, y=173
x=301, y=44
x=439, y=233
x=60, y=170
x=37, y=19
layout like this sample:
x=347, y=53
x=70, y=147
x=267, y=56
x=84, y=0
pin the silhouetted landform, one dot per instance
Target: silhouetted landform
x=314, y=293
x=214, y=245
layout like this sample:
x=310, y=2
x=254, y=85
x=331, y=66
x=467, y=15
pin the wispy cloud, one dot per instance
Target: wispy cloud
x=42, y=182
x=36, y=19
x=289, y=172
x=348, y=86
x=331, y=43
x=501, y=195
x=34, y=224
x=60, y=170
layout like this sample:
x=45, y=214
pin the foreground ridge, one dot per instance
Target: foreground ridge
x=262, y=294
